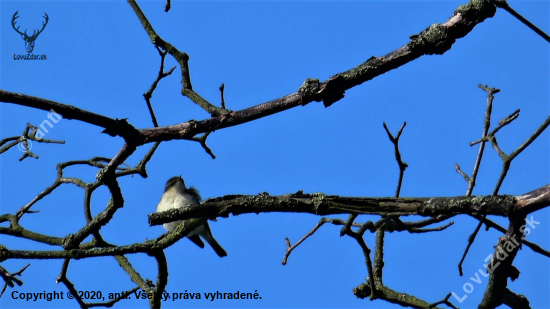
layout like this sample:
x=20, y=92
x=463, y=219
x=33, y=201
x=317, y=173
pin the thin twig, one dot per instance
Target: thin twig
x=9, y=279
x=181, y=58
x=486, y=124
x=507, y=159
x=426, y=222
x=402, y=165
x=435, y=229
x=458, y=170
x=162, y=278
x=502, y=123
x=161, y=75
x=536, y=248
x=393, y=220
x=472, y=182
x=24, y=142
x=70, y=286
x=358, y=236
x=504, y=5
x=222, y=87
x=444, y=301
x=289, y=248
x=470, y=242
x=202, y=141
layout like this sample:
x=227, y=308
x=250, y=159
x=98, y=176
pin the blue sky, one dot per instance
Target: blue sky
x=100, y=59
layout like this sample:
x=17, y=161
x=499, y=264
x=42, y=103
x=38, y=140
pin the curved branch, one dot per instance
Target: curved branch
x=150, y=246
x=436, y=39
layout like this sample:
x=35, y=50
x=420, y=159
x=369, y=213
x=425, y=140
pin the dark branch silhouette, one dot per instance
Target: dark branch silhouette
x=436, y=39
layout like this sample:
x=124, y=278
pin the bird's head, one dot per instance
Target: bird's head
x=174, y=182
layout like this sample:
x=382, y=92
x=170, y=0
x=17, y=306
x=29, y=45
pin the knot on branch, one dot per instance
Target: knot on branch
x=512, y=273
x=476, y=11
x=68, y=242
x=142, y=170
x=101, y=175
x=332, y=90
x=362, y=291
x=389, y=226
x=310, y=90
x=4, y=253
x=298, y=193
x=105, y=175
x=471, y=14
x=319, y=203
x=125, y=130
x=329, y=92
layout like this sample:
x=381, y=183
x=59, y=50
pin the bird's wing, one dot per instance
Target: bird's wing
x=195, y=193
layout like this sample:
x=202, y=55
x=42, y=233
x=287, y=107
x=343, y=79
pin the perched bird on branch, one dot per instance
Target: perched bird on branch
x=176, y=195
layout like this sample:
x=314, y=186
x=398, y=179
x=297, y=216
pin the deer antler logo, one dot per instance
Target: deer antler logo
x=29, y=40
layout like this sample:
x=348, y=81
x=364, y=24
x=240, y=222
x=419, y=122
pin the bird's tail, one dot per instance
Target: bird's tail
x=205, y=232
x=216, y=246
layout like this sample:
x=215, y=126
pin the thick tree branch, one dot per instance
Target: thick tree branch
x=162, y=278
x=436, y=39
x=153, y=245
x=389, y=295
x=500, y=266
x=113, y=127
x=320, y=204
x=516, y=301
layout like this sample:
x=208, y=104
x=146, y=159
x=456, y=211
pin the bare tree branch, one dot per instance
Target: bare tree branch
x=160, y=76
x=113, y=127
x=320, y=204
x=9, y=279
x=436, y=39
x=389, y=295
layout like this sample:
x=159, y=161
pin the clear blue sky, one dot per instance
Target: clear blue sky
x=100, y=59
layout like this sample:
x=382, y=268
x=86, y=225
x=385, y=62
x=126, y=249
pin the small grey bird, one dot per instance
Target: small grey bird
x=176, y=195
